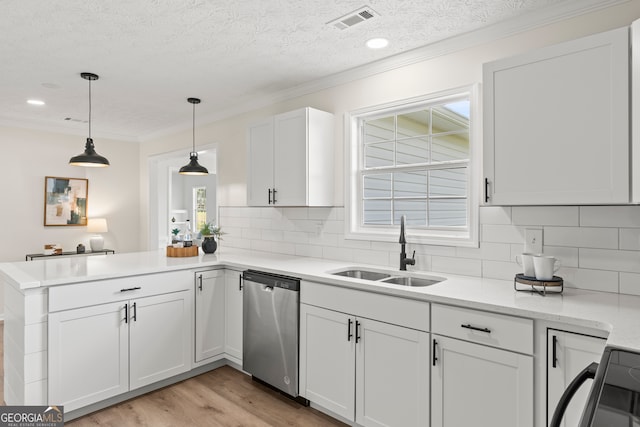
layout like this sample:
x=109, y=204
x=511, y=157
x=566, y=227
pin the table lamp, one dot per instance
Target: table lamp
x=96, y=226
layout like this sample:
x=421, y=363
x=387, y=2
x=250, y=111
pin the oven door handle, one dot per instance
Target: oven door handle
x=587, y=373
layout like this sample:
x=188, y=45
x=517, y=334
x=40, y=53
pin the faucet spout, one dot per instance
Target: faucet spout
x=404, y=261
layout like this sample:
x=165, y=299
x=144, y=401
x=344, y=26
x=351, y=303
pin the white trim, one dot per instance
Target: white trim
x=352, y=190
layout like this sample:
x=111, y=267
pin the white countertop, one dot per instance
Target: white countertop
x=615, y=313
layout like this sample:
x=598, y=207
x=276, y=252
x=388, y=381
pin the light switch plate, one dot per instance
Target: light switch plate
x=533, y=240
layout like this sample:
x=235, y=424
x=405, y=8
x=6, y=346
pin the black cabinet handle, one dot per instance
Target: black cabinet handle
x=269, y=196
x=130, y=289
x=126, y=313
x=554, y=352
x=486, y=190
x=358, y=337
x=240, y=282
x=200, y=285
x=135, y=312
x=349, y=334
x=434, y=357
x=475, y=328
x=274, y=196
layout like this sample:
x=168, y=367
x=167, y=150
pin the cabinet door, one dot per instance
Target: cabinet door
x=475, y=385
x=88, y=355
x=290, y=158
x=327, y=359
x=392, y=375
x=160, y=337
x=260, y=163
x=567, y=355
x=210, y=314
x=233, y=310
x=556, y=123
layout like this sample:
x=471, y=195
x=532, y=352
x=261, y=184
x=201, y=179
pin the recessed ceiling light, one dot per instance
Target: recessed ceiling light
x=35, y=102
x=377, y=43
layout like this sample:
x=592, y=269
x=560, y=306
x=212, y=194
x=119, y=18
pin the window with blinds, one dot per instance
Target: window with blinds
x=414, y=160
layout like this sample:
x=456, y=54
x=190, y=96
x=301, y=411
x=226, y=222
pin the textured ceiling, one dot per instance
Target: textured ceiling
x=153, y=54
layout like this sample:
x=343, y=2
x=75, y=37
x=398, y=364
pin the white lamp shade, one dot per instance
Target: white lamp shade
x=97, y=225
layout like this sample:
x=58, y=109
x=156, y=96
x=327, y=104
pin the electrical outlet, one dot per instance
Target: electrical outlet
x=533, y=240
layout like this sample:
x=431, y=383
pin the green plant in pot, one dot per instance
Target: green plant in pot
x=174, y=235
x=209, y=232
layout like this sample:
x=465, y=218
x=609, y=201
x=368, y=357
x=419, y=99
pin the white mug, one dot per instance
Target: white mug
x=525, y=261
x=545, y=266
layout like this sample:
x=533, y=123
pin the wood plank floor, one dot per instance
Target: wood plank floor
x=220, y=398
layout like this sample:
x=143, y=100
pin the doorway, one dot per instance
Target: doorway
x=174, y=198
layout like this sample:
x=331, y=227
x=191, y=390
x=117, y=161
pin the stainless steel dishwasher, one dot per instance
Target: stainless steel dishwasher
x=271, y=305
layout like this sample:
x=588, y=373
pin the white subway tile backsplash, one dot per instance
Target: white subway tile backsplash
x=594, y=280
x=309, y=251
x=545, y=215
x=487, y=251
x=465, y=267
x=499, y=215
x=581, y=237
x=613, y=260
x=502, y=234
x=610, y=216
x=630, y=283
x=370, y=257
x=568, y=256
x=630, y=239
x=502, y=270
x=599, y=246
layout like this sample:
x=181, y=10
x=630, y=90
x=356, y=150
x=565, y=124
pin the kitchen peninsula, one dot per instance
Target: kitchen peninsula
x=41, y=295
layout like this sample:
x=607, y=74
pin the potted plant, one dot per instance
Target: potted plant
x=209, y=232
x=174, y=233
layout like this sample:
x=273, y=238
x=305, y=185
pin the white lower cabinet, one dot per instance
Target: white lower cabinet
x=233, y=315
x=481, y=369
x=104, y=350
x=209, y=315
x=567, y=354
x=366, y=371
x=476, y=385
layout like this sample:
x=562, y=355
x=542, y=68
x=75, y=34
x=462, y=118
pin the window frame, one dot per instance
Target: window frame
x=354, y=163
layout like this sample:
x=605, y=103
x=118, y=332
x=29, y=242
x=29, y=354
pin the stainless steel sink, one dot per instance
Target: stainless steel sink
x=411, y=281
x=390, y=277
x=362, y=274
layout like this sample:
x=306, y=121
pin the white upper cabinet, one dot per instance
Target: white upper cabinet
x=556, y=124
x=290, y=160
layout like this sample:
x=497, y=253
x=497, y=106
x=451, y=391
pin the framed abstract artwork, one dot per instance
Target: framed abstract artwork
x=65, y=201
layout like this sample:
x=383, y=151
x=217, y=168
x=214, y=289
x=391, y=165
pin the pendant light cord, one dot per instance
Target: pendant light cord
x=89, y=108
x=194, y=128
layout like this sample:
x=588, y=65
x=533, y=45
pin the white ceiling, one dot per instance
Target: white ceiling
x=234, y=55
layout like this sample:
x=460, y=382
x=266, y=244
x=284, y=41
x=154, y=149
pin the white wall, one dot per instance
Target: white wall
x=27, y=156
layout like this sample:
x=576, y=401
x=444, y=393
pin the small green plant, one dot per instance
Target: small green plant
x=210, y=229
x=175, y=231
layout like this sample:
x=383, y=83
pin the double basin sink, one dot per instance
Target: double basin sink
x=387, y=277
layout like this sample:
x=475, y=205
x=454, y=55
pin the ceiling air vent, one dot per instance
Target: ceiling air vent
x=353, y=18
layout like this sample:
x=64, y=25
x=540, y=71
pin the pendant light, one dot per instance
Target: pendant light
x=89, y=158
x=193, y=168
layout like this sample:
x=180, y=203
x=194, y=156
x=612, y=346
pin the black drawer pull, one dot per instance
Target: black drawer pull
x=126, y=313
x=131, y=289
x=240, y=282
x=358, y=337
x=434, y=357
x=269, y=196
x=349, y=334
x=200, y=285
x=475, y=328
x=135, y=312
x=486, y=190
x=555, y=352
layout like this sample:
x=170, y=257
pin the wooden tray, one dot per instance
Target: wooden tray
x=182, y=252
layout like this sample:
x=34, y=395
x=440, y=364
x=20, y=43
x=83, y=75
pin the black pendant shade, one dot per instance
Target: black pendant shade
x=89, y=158
x=193, y=168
